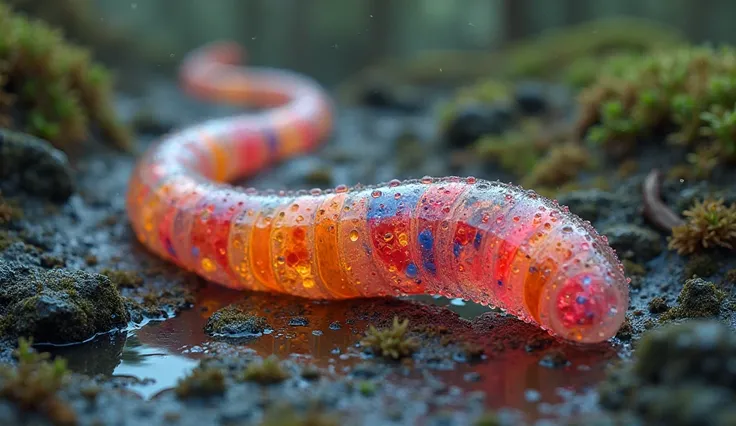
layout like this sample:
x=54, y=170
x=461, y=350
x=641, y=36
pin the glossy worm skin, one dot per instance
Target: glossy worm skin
x=487, y=242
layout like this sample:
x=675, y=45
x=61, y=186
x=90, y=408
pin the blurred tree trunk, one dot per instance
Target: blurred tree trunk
x=514, y=19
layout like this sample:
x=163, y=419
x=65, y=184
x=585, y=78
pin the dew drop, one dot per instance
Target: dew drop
x=376, y=194
x=393, y=183
x=426, y=179
x=341, y=189
x=353, y=235
x=470, y=180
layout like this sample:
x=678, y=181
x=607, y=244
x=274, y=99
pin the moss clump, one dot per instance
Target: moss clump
x=203, y=382
x=710, y=224
x=698, y=299
x=33, y=384
x=52, y=88
x=57, y=305
x=123, y=279
x=689, y=93
x=391, y=343
x=266, y=372
x=658, y=305
x=234, y=321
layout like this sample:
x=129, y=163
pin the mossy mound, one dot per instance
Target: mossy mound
x=685, y=95
x=57, y=305
x=52, y=88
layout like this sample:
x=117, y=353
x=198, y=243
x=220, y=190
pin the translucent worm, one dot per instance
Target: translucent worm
x=487, y=242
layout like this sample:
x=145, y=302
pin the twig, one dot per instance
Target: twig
x=655, y=210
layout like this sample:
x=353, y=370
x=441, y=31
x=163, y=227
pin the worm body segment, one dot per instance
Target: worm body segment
x=488, y=242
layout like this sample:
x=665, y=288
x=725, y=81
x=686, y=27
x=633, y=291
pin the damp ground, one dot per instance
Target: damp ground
x=469, y=359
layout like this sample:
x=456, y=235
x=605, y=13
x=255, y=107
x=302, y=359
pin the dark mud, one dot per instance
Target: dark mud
x=471, y=362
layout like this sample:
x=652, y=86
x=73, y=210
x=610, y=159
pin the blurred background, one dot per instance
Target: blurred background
x=333, y=40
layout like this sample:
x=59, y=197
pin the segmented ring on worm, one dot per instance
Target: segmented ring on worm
x=488, y=242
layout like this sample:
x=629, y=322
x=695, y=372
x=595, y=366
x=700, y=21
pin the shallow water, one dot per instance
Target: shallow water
x=156, y=355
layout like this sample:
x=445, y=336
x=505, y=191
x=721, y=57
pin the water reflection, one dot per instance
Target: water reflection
x=325, y=333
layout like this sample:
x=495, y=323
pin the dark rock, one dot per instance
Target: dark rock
x=381, y=96
x=299, y=322
x=58, y=305
x=31, y=164
x=633, y=242
x=472, y=121
x=531, y=98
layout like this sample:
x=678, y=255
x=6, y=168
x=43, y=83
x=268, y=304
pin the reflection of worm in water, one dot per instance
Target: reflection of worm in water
x=488, y=242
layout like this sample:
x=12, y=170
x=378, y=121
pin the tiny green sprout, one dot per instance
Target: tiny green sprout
x=367, y=388
x=266, y=372
x=391, y=343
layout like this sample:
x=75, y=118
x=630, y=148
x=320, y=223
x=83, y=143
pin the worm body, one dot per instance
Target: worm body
x=487, y=242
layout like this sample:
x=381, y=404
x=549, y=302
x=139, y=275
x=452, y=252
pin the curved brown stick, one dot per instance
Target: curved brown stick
x=654, y=209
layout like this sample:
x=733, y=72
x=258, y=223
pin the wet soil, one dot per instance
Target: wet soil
x=471, y=359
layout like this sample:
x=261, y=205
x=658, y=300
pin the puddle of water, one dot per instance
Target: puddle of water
x=154, y=368
x=165, y=351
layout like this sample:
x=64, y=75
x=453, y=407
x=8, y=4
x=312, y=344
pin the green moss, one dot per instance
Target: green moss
x=233, y=320
x=689, y=89
x=367, y=388
x=392, y=343
x=709, y=224
x=123, y=279
x=203, y=382
x=658, y=305
x=266, y=372
x=58, y=90
x=698, y=299
x=33, y=384
x=60, y=305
